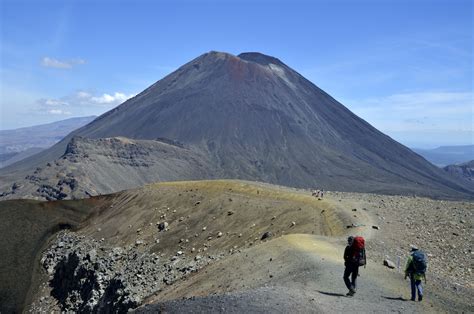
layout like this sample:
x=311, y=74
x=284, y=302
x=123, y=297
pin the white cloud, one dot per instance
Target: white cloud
x=82, y=102
x=58, y=64
x=53, y=63
x=109, y=99
x=59, y=112
x=54, y=102
x=83, y=95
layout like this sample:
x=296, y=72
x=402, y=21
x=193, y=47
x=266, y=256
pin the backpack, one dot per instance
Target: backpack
x=358, y=247
x=419, y=262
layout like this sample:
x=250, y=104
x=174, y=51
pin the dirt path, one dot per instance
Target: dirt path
x=443, y=229
x=302, y=273
x=297, y=273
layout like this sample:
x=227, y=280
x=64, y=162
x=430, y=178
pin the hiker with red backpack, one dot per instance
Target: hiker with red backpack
x=416, y=269
x=354, y=256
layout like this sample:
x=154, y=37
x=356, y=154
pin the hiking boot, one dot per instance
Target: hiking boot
x=413, y=299
x=420, y=297
x=351, y=292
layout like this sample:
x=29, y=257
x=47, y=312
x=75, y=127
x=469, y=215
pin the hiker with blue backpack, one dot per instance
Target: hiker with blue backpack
x=416, y=269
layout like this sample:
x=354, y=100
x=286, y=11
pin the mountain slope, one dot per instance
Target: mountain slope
x=464, y=170
x=257, y=119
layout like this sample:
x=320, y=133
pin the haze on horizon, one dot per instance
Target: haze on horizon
x=403, y=66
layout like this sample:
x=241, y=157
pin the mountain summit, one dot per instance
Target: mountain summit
x=247, y=117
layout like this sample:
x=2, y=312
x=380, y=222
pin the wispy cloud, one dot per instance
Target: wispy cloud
x=420, y=106
x=82, y=100
x=110, y=99
x=59, y=112
x=421, y=118
x=434, y=60
x=58, y=64
x=54, y=102
x=86, y=98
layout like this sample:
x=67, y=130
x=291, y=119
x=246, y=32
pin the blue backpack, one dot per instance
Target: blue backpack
x=419, y=262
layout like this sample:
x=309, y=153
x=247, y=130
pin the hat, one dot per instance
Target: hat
x=413, y=247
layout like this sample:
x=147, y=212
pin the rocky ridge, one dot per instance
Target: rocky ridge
x=18, y=144
x=464, y=170
x=91, y=167
x=84, y=275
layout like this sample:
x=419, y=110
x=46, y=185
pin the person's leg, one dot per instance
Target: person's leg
x=347, y=273
x=355, y=273
x=419, y=287
x=413, y=291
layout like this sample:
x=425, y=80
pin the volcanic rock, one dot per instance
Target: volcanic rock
x=389, y=263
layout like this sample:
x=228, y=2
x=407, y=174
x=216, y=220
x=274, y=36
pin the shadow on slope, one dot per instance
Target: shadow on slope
x=25, y=228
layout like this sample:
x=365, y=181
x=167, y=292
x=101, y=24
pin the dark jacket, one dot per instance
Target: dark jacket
x=349, y=257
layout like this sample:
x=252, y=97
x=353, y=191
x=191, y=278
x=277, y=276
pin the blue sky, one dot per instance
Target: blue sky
x=404, y=66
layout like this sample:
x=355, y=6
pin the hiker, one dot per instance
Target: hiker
x=354, y=256
x=321, y=193
x=416, y=269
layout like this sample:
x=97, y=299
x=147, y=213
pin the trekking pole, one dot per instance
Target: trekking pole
x=398, y=263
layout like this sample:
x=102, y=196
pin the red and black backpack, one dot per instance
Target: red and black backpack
x=358, y=251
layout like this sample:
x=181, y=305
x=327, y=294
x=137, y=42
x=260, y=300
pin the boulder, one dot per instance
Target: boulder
x=388, y=263
x=266, y=235
x=163, y=226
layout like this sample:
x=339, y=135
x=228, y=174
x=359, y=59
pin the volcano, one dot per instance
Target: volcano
x=245, y=117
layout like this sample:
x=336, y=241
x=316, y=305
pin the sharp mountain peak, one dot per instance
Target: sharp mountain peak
x=250, y=57
x=249, y=117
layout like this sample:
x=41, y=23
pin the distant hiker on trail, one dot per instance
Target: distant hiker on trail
x=354, y=256
x=416, y=269
x=318, y=194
